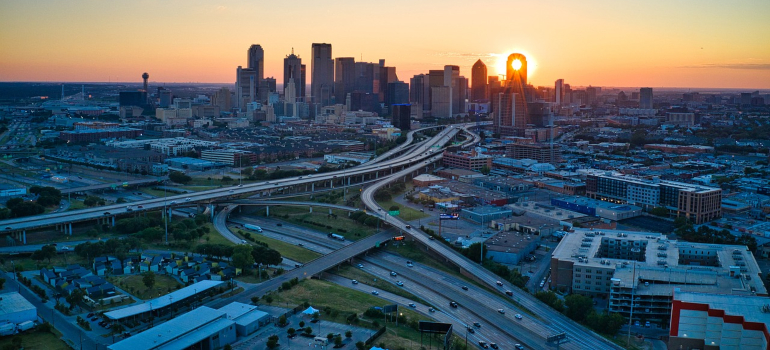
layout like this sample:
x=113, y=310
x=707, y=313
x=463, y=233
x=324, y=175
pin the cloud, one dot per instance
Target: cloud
x=751, y=66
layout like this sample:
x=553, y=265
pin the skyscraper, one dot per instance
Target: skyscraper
x=294, y=70
x=510, y=105
x=245, y=87
x=322, y=74
x=344, y=78
x=645, y=98
x=401, y=116
x=559, y=91
x=256, y=60
x=397, y=93
x=479, y=81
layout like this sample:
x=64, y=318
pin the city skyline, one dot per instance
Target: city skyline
x=685, y=44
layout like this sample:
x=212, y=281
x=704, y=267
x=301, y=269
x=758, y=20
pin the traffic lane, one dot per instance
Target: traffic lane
x=288, y=227
x=291, y=236
x=481, y=311
x=466, y=316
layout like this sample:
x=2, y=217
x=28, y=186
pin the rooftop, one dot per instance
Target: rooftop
x=163, y=301
x=179, y=332
x=14, y=302
x=751, y=308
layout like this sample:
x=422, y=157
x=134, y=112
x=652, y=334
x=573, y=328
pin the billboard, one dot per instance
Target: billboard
x=453, y=216
x=390, y=308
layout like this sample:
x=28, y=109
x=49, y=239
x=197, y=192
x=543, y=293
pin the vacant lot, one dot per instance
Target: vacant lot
x=134, y=285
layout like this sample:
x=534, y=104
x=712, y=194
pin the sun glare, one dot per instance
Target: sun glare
x=516, y=64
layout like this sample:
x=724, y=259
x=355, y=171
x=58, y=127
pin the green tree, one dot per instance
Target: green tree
x=659, y=211
x=148, y=278
x=360, y=345
x=551, y=299
x=578, y=306
x=348, y=334
x=2, y=282
x=291, y=331
x=74, y=298
x=179, y=177
x=338, y=341
x=242, y=257
x=485, y=170
x=308, y=330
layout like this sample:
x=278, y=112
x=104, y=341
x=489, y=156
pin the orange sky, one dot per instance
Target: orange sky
x=681, y=43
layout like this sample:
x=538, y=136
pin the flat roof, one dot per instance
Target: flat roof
x=243, y=314
x=750, y=307
x=179, y=332
x=163, y=301
x=14, y=302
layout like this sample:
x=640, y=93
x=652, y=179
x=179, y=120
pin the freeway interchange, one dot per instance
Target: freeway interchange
x=434, y=286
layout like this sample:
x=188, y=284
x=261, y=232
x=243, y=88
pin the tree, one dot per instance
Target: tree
x=394, y=208
x=179, y=177
x=578, y=306
x=227, y=347
x=74, y=298
x=308, y=330
x=551, y=299
x=338, y=341
x=282, y=320
x=291, y=331
x=484, y=170
x=242, y=257
x=360, y=345
x=2, y=282
x=659, y=211
x=148, y=278
x=269, y=299
x=255, y=299
x=348, y=334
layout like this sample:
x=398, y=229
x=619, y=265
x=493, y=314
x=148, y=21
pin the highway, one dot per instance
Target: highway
x=414, y=156
x=577, y=334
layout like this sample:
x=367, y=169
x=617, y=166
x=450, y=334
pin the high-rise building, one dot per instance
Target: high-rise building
x=479, y=82
x=294, y=70
x=365, y=77
x=559, y=91
x=645, y=98
x=245, y=87
x=387, y=76
x=344, y=78
x=590, y=95
x=223, y=99
x=401, y=116
x=510, y=105
x=266, y=87
x=322, y=74
x=397, y=93
x=256, y=61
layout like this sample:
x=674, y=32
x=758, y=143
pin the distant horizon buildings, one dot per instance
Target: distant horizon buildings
x=645, y=98
x=294, y=70
x=321, y=74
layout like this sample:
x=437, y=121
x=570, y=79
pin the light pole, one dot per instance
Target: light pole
x=165, y=212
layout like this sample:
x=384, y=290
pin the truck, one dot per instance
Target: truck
x=336, y=236
x=25, y=326
x=7, y=329
x=253, y=227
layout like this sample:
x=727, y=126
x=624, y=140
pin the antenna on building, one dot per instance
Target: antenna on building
x=62, y=92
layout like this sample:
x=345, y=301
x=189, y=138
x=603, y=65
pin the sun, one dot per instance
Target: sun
x=516, y=64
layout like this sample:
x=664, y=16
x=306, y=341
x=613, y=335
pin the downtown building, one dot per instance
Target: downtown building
x=640, y=272
x=467, y=160
x=542, y=153
x=697, y=203
x=322, y=74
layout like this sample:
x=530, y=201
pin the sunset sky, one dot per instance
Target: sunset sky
x=659, y=43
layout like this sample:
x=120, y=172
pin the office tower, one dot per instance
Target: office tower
x=290, y=99
x=387, y=76
x=479, y=82
x=559, y=91
x=510, y=105
x=365, y=77
x=164, y=97
x=417, y=90
x=245, y=87
x=590, y=95
x=223, y=99
x=266, y=87
x=645, y=98
x=344, y=78
x=293, y=69
x=322, y=74
x=401, y=114
x=440, y=101
x=397, y=93
x=256, y=60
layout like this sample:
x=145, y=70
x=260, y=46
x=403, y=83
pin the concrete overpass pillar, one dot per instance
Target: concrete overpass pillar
x=311, y=210
x=211, y=209
x=70, y=229
x=113, y=221
x=267, y=210
x=169, y=214
x=24, y=236
x=312, y=187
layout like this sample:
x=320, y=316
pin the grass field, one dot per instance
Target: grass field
x=26, y=264
x=157, y=193
x=297, y=216
x=406, y=213
x=76, y=204
x=343, y=302
x=287, y=250
x=362, y=276
x=134, y=285
x=36, y=340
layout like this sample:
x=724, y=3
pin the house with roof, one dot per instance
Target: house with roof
x=47, y=275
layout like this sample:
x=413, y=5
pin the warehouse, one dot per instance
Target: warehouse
x=15, y=309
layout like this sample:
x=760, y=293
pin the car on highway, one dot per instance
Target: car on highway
x=483, y=344
x=355, y=282
x=464, y=287
x=518, y=347
x=106, y=213
x=279, y=224
x=243, y=241
x=231, y=191
x=493, y=346
x=499, y=283
x=412, y=305
x=300, y=245
x=509, y=293
x=477, y=324
x=187, y=199
x=139, y=207
x=502, y=311
x=409, y=264
x=240, y=185
x=173, y=202
x=518, y=316
x=374, y=292
x=8, y=228
x=432, y=310
x=393, y=273
x=400, y=284
x=470, y=330
x=360, y=266
x=408, y=226
x=453, y=304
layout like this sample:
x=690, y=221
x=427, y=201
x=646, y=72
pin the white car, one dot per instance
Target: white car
x=374, y=292
x=400, y=284
x=187, y=199
x=501, y=311
x=355, y=282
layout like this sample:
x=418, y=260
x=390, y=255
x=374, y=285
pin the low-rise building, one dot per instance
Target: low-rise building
x=485, y=215
x=606, y=210
x=467, y=160
x=14, y=308
x=510, y=247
